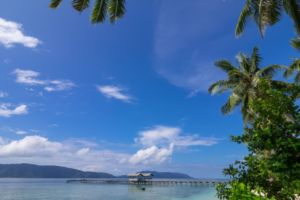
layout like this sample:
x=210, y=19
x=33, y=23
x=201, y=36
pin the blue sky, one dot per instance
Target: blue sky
x=124, y=97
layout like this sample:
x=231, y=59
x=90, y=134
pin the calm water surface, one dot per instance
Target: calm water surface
x=58, y=189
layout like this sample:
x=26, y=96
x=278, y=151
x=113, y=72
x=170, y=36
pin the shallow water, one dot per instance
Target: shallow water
x=58, y=189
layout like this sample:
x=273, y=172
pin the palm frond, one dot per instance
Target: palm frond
x=99, y=11
x=268, y=13
x=296, y=43
x=116, y=9
x=241, y=23
x=236, y=75
x=80, y=5
x=282, y=86
x=292, y=8
x=220, y=86
x=269, y=71
x=244, y=63
x=255, y=60
x=233, y=101
x=225, y=65
x=246, y=111
x=297, y=77
x=290, y=70
x=54, y=3
x=260, y=19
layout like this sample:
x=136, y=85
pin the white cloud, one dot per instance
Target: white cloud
x=3, y=94
x=8, y=110
x=88, y=155
x=11, y=33
x=40, y=150
x=111, y=91
x=18, y=131
x=28, y=77
x=59, y=85
x=152, y=155
x=31, y=78
x=83, y=151
x=160, y=142
x=158, y=134
x=21, y=132
x=2, y=141
x=30, y=146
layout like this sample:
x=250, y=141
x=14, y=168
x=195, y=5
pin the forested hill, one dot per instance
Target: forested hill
x=37, y=171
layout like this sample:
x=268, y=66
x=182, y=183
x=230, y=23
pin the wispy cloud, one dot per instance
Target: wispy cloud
x=11, y=33
x=3, y=94
x=115, y=92
x=187, y=44
x=59, y=85
x=8, y=110
x=160, y=142
x=13, y=130
x=31, y=78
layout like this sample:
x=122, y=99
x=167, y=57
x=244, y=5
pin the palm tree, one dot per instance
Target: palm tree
x=242, y=82
x=267, y=13
x=295, y=67
x=296, y=43
x=115, y=9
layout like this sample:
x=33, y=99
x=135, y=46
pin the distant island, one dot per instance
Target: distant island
x=38, y=171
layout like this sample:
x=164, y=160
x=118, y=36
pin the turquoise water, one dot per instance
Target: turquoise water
x=58, y=189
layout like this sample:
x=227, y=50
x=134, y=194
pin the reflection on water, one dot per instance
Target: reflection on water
x=58, y=189
x=137, y=188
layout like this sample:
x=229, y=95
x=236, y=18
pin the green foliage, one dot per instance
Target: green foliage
x=272, y=167
x=99, y=11
x=267, y=13
x=242, y=82
x=296, y=43
x=238, y=191
x=295, y=67
x=55, y=3
x=115, y=9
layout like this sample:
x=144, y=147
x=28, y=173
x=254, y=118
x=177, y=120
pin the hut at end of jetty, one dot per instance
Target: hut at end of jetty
x=139, y=178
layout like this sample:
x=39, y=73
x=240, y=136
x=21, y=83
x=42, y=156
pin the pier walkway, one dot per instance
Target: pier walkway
x=148, y=182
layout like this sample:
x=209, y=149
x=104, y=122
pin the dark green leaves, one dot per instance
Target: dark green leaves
x=80, y=5
x=271, y=169
x=292, y=8
x=225, y=65
x=245, y=14
x=296, y=43
x=295, y=67
x=267, y=13
x=242, y=82
x=115, y=9
x=55, y=3
x=99, y=11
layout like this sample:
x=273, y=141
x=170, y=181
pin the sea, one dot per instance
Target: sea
x=59, y=189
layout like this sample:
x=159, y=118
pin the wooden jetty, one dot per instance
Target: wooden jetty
x=192, y=182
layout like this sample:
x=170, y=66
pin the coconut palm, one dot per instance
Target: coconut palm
x=295, y=67
x=296, y=43
x=115, y=9
x=242, y=82
x=267, y=13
